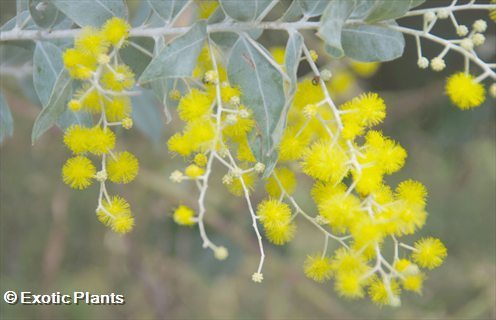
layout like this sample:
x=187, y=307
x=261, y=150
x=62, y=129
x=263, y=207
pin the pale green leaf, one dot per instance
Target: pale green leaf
x=135, y=58
x=6, y=122
x=332, y=21
x=56, y=105
x=45, y=14
x=167, y=9
x=147, y=116
x=91, y=12
x=262, y=90
x=416, y=3
x=313, y=8
x=387, y=9
x=244, y=10
x=177, y=58
x=47, y=64
x=293, y=13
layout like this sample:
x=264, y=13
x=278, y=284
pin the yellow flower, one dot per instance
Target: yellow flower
x=413, y=282
x=281, y=234
x=115, y=30
x=194, y=105
x=199, y=134
x=412, y=192
x=273, y=213
x=318, y=268
x=201, y=159
x=349, y=285
x=326, y=162
x=116, y=214
x=118, y=79
x=340, y=210
x=348, y=260
x=206, y=8
x=118, y=108
x=77, y=138
x=101, y=141
x=307, y=93
x=286, y=178
x=365, y=69
x=91, y=41
x=194, y=171
x=464, y=91
x=123, y=168
x=278, y=54
x=236, y=187
x=91, y=100
x=74, y=105
x=429, y=253
x=78, y=172
x=382, y=293
x=238, y=129
x=341, y=83
x=184, y=216
x=79, y=64
x=178, y=144
x=292, y=146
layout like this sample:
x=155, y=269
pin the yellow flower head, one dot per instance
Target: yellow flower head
x=413, y=282
x=179, y=144
x=292, y=146
x=119, y=79
x=384, y=294
x=123, y=168
x=464, y=91
x=429, y=253
x=201, y=159
x=184, y=216
x=286, y=178
x=115, y=30
x=194, y=171
x=101, y=141
x=78, y=172
x=318, y=268
x=281, y=234
x=194, y=105
x=77, y=138
x=206, y=8
x=273, y=213
x=349, y=285
x=91, y=41
x=326, y=162
x=412, y=192
x=118, y=108
x=365, y=69
x=116, y=214
x=236, y=187
x=278, y=54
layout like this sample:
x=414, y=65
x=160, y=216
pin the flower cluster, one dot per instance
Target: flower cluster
x=105, y=82
x=339, y=150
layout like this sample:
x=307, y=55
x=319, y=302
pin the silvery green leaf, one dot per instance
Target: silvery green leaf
x=167, y=9
x=217, y=16
x=369, y=43
x=313, y=8
x=6, y=122
x=68, y=118
x=47, y=64
x=387, y=9
x=9, y=25
x=141, y=14
x=177, y=58
x=136, y=59
x=56, y=105
x=263, y=91
x=45, y=14
x=147, y=116
x=293, y=13
x=292, y=56
x=244, y=10
x=362, y=8
x=332, y=21
x=416, y=3
x=91, y=12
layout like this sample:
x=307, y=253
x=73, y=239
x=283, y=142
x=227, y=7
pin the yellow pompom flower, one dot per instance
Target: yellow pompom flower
x=118, y=108
x=349, y=285
x=322, y=191
x=347, y=260
x=365, y=69
x=464, y=91
x=184, y=216
x=91, y=41
x=178, y=144
x=286, y=178
x=123, y=167
x=101, y=141
x=406, y=267
x=307, y=93
x=340, y=210
x=429, y=253
x=199, y=134
x=326, y=162
x=341, y=83
x=201, y=159
x=79, y=64
x=194, y=105
x=413, y=282
x=116, y=214
x=92, y=101
x=194, y=171
x=78, y=172
x=278, y=54
x=318, y=268
x=368, y=180
x=77, y=138
x=384, y=152
x=236, y=187
x=272, y=213
x=292, y=146
x=382, y=293
x=412, y=192
x=118, y=79
x=281, y=233
x=74, y=105
x=244, y=151
x=115, y=30
x=238, y=129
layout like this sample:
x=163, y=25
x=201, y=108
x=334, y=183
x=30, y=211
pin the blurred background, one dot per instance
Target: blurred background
x=51, y=240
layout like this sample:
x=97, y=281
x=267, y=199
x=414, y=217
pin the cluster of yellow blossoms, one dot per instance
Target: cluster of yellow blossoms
x=104, y=80
x=337, y=148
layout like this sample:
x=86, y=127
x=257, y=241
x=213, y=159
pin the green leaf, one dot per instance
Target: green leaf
x=136, y=59
x=47, y=64
x=45, y=14
x=56, y=105
x=244, y=10
x=387, y=9
x=6, y=122
x=167, y=9
x=177, y=58
x=262, y=90
x=147, y=116
x=369, y=43
x=293, y=13
x=292, y=56
x=332, y=21
x=313, y=8
x=91, y=12
x=416, y=3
